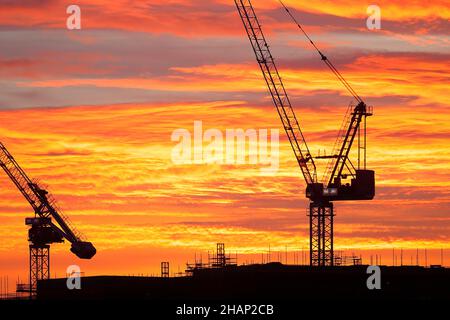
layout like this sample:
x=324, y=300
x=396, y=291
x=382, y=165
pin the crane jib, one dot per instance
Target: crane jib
x=277, y=90
x=362, y=184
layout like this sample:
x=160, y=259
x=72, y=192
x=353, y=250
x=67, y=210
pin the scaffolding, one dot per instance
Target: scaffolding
x=165, y=269
x=217, y=260
x=343, y=260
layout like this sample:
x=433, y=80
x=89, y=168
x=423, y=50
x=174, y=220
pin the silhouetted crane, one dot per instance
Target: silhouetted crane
x=43, y=231
x=335, y=185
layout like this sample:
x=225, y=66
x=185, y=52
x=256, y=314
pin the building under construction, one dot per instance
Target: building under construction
x=222, y=279
x=272, y=282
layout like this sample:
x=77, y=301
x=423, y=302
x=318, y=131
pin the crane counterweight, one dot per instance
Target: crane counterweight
x=83, y=249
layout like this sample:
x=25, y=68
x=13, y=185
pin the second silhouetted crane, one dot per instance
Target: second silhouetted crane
x=43, y=231
x=343, y=180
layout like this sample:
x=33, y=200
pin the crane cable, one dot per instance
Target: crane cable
x=323, y=57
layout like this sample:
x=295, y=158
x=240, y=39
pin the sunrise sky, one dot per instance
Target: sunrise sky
x=90, y=113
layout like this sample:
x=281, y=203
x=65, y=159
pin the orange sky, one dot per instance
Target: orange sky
x=90, y=114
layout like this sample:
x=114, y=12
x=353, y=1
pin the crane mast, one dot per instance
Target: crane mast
x=321, y=194
x=43, y=231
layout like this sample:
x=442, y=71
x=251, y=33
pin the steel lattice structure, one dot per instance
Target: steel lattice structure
x=39, y=264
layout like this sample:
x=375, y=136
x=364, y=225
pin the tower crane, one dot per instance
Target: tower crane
x=343, y=180
x=48, y=225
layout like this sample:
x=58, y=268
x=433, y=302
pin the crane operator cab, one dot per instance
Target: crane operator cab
x=360, y=187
